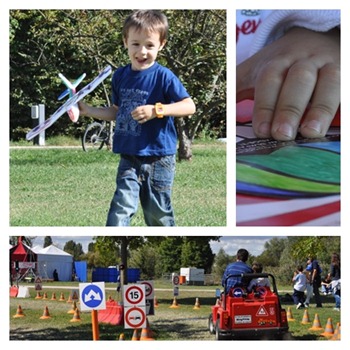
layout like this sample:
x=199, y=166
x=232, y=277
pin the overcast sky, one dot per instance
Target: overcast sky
x=230, y=244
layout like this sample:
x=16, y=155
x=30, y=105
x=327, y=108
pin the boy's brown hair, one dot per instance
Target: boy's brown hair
x=149, y=20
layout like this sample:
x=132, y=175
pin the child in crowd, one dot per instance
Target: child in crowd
x=299, y=280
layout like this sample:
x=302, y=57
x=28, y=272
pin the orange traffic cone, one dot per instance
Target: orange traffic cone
x=306, y=318
x=45, y=296
x=316, y=325
x=175, y=304
x=19, y=312
x=136, y=335
x=46, y=314
x=145, y=334
x=122, y=337
x=336, y=335
x=38, y=295
x=290, y=315
x=53, y=297
x=72, y=310
x=70, y=300
x=197, y=305
x=150, y=332
x=62, y=298
x=329, y=330
x=76, y=316
x=155, y=302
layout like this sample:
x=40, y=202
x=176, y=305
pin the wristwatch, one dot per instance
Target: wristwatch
x=159, y=110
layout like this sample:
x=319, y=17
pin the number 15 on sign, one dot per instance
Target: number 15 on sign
x=134, y=294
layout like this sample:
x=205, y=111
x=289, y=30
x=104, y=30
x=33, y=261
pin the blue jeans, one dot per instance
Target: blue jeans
x=337, y=299
x=148, y=179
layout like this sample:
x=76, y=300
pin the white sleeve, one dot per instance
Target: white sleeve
x=278, y=22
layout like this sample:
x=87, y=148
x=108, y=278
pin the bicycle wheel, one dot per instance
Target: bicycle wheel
x=94, y=137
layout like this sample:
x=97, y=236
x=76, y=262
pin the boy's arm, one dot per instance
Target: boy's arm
x=183, y=108
x=102, y=113
x=180, y=109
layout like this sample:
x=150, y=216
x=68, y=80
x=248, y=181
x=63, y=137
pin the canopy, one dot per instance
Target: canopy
x=52, y=258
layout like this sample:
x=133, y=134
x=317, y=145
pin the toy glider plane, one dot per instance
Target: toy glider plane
x=72, y=101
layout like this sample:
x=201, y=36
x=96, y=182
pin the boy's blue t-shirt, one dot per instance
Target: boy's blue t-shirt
x=131, y=89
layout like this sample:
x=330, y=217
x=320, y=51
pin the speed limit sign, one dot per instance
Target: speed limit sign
x=134, y=294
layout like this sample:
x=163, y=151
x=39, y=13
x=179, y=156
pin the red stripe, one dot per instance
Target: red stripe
x=296, y=217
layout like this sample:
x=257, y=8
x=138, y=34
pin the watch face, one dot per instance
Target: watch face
x=159, y=109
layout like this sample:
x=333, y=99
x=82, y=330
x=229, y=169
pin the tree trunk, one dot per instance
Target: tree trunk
x=124, y=260
x=185, y=142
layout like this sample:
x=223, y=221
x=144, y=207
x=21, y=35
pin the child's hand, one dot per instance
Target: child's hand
x=300, y=68
x=143, y=114
x=83, y=108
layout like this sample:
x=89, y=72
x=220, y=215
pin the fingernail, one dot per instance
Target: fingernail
x=313, y=125
x=264, y=129
x=285, y=130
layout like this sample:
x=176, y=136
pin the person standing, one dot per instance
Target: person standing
x=299, y=280
x=316, y=279
x=334, y=275
x=309, y=288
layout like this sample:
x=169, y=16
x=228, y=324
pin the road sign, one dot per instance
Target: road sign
x=134, y=294
x=135, y=317
x=175, y=279
x=38, y=283
x=149, y=288
x=92, y=296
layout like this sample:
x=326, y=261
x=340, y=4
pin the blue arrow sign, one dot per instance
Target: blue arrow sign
x=92, y=296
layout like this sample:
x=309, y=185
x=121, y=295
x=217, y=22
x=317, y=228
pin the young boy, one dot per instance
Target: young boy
x=299, y=280
x=146, y=97
x=260, y=281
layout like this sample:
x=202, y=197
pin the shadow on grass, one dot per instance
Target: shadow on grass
x=81, y=332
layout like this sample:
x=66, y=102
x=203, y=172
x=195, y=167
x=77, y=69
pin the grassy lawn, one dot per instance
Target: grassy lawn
x=182, y=323
x=69, y=187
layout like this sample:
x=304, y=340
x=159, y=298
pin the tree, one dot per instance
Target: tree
x=45, y=42
x=145, y=257
x=73, y=248
x=273, y=250
x=220, y=262
x=114, y=250
x=196, y=252
x=47, y=241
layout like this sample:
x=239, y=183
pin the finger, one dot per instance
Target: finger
x=294, y=97
x=324, y=103
x=244, y=81
x=267, y=89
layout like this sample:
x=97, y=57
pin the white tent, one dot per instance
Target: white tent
x=51, y=258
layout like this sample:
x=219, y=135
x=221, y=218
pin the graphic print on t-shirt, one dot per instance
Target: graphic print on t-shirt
x=130, y=99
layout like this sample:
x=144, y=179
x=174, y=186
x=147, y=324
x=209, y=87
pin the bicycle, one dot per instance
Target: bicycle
x=96, y=135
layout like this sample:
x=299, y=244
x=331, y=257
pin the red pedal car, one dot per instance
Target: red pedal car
x=243, y=315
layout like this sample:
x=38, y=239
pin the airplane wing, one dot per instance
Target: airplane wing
x=69, y=103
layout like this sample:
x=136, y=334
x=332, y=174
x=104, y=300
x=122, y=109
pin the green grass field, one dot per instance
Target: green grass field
x=69, y=187
x=182, y=323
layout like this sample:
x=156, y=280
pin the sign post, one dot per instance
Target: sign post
x=92, y=297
